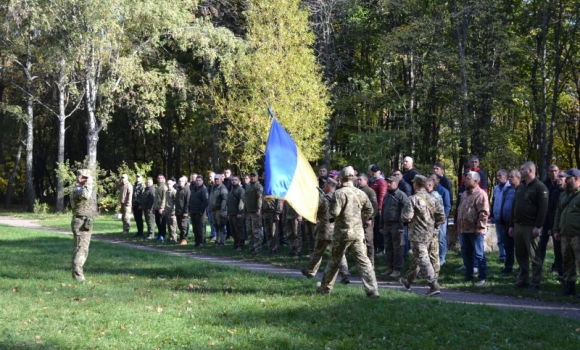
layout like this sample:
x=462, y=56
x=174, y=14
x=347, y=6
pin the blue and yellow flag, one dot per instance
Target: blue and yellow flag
x=289, y=176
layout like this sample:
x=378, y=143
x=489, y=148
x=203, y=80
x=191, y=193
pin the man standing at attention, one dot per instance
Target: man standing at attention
x=498, y=191
x=253, y=205
x=147, y=200
x=125, y=197
x=369, y=229
x=83, y=210
x=350, y=207
x=236, y=213
x=198, y=203
x=169, y=211
x=528, y=214
x=423, y=214
x=409, y=170
x=138, y=189
x=218, y=199
x=159, y=206
x=182, y=209
x=472, y=217
x=392, y=227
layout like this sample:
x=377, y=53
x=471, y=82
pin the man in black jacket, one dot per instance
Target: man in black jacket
x=198, y=201
x=554, y=189
x=392, y=227
x=147, y=199
x=182, y=208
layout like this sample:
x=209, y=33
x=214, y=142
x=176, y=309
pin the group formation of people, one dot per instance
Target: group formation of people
x=366, y=215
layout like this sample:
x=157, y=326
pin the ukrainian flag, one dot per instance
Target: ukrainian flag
x=289, y=176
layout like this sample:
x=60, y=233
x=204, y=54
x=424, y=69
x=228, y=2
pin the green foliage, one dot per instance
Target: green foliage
x=40, y=208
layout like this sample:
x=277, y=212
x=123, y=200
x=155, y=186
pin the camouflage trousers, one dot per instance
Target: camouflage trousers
x=82, y=227
x=421, y=262
x=150, y=221
x=171, y=222
x=219, y=222
x=271, y=230
x=126, y=218
x=254, y=230
x=316, y=258
x=434, y=254
x=310, y=235
x=237, y=230
x=294, y=236
x=358, y=251
x=570, y=257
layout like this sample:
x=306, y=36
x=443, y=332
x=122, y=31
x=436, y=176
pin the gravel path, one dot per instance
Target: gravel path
x=506, y=302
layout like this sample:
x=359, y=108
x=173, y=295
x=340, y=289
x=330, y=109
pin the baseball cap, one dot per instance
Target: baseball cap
x=254, y=173
x=572, y=172
x=84, y=172
x=347, y=172
x=331, y=182
x=217, y=176
x=420, y=180
x=375, y=168
x=393, y=179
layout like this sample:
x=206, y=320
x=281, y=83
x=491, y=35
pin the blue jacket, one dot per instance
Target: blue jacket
x=507, y=202
x=497, y=200
x=446, y=199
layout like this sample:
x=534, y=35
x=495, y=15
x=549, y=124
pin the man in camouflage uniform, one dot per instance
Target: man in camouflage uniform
x=567, y=229
x=434, y=245
x=350, y=207
x=236, y=212
x=138, y=189
x=159, y=206
x=271, y=212
x=82, y=221
x=423, y=213
x=218, y=204
x=182, y=209
x=363, y=181
x=309, y=234
x=324, y=232
x=169, y=211
x=253, y=207
x=293, y=221
x=147, y=200
x=125, y=197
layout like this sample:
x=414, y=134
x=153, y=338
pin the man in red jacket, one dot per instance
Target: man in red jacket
x=379, y=185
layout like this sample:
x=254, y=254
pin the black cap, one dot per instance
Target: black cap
x=375, y=168
x=572, y=172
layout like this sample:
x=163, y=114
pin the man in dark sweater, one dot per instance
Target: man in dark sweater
x=554, y=189
x=528, y=214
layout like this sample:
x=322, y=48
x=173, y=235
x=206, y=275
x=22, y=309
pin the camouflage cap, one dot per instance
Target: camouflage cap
x=420, y=180
x=331, y=182
x=347, y=172
x=393, y=179
x=254, y=173
x=84, y=172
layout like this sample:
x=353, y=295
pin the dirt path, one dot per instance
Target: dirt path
x=566, y=310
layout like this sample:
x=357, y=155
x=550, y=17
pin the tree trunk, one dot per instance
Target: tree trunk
x=461, y=32
x=31, y=195
x=10, y=188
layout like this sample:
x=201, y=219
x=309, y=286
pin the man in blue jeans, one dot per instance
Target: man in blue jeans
x=498, y=192
x=472, y=217
x=442, y=234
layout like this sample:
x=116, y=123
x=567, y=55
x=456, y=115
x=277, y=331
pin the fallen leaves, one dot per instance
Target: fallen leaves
x=159, y=309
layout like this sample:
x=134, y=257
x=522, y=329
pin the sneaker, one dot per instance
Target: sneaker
x=160, y=238
x=560, y=278
x=320, y=290
x=212, y=239
x=183, y=242
x=395, y=274
x=405, y=283
x=306, y=273
x=373, y=295
x=479, y=283
x=150, y=237
x=344, y=280
x=379, y=253
x=461, y=268
x=433, y=290
x=80, y=278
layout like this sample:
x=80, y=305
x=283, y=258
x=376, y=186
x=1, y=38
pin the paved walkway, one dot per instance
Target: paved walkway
x=507, y=302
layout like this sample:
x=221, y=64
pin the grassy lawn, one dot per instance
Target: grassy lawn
x=147, y=300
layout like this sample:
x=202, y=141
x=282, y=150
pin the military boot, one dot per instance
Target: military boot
x=569, y=289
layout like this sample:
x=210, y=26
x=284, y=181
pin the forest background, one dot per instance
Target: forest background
x=177, y=87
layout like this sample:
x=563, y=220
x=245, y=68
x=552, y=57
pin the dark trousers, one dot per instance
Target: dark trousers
x=198, y=223
x=378, y=239
x=508, y=244
x=161, y=224
x=369, y=241
x=138, y=216
x=544, y=239
x=236, y=230
x=182, y=225
x=150, y=219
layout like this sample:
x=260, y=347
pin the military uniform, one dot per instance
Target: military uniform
x=324, y=233
x=369, y=232
x=125, y=198
x=293, y=227
x=422, y=213
x=138, y=189
x=434, y=244
x=309, y=234
x=182, y=212
x=350, y=207
x=147, y=199
x=198, y=202
x=158, y=206
x=235, y=208
x=271, y=212
x=218, y=206
x=253, y=197
x=169, y=213
x=82, y=224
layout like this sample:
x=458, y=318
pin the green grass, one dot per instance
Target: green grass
x=137, y=299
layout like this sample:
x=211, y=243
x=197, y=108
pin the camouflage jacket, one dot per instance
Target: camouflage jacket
x=81, y=200
x=423, y=213
x=236, y=201
x=170, y=200
x=325, y=228
x=289, y=212
x=160, y=193
x=253, y=197
x=218, y=198
x=272, y=206
x=138, y=189
x=350, y=207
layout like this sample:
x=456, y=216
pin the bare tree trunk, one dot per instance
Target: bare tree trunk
x=461, y=32
x=543, y=112
x=30, y=193
x=10, y=188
